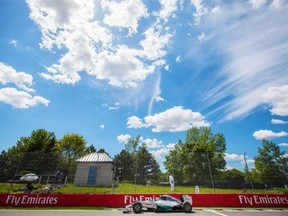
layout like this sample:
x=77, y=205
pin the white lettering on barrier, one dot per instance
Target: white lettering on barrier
x=130, y=199
x=262, y=200
x=245, y=200
x=270, y=200
x=31, y=200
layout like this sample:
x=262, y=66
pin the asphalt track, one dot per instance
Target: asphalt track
x=116, y=212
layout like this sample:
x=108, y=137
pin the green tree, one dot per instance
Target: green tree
x=174, y=163
x=136, y=164
x=199, y=157
x=90, y=149
x=125, y=166
x=39, y=141
x=271, y=164
x=148, y=168
x=132, y=146
x=5, y=169
x=232, y=175
x=71, y=147
x=36, y=153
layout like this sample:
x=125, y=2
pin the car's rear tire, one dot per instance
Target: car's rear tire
x=187, y=207
x=137, y=208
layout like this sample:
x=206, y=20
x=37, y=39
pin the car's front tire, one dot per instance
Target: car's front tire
x=137, y=208
x=187, y=207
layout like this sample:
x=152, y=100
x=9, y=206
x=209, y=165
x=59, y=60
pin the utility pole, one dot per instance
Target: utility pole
x=136, y=174
x=248, y=172
x=210, y=171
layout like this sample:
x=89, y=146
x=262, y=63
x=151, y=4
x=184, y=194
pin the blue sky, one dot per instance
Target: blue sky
x=111, y=70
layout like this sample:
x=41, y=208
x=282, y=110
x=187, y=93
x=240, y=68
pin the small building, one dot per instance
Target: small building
x=95, y=169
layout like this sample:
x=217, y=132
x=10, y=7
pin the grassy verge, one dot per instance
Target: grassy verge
x=126, y=188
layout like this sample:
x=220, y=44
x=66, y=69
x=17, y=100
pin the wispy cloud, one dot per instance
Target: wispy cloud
x=156, y=93
x=253, y=45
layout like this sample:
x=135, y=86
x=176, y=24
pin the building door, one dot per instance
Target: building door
x=92, y=175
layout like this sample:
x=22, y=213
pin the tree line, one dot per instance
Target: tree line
x=199, y=159
x=42, y=153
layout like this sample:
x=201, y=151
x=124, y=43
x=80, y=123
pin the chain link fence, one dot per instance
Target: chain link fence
x=54, y=170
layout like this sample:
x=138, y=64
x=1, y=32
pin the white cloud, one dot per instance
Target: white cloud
x=60, y=21
x=168, y=8
x=154, y=43
x=200, y=10
x=159, y=154
x=82, y=28
x=201, y=37
x=278, y=3
x=178, y=59
x=124, y=14
x=69, y=25
x=21, y=79
x=129, y=69
x=134, y=122
x=256, y=4
x=116, y=106
x=153, y=143
x=268, y=134
x=234, y=157
x=159, y=98
x=102, y=126
x=21, y=99
x=278, y=121
x=249, y=161
x=171, y=146
x=175, y=119
x=277, y=97
x=14, y=43
x=235, y=160
x=283, y=144
x=123, y=138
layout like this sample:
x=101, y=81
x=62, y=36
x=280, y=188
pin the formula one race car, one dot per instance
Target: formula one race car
x=163, y=204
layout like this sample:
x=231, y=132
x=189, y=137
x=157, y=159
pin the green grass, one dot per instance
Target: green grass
x=127, y=188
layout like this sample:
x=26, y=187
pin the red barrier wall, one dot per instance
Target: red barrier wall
x=120, y=200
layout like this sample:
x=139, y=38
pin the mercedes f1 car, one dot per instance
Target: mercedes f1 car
x=164, y=203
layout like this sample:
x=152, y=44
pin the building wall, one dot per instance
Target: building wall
x=103, y=177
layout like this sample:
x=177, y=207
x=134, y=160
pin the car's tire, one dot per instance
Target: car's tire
x=150, y=209
x=187, y=207
x=137, y=208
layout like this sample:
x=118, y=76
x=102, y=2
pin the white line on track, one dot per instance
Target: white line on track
x=215, y=212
